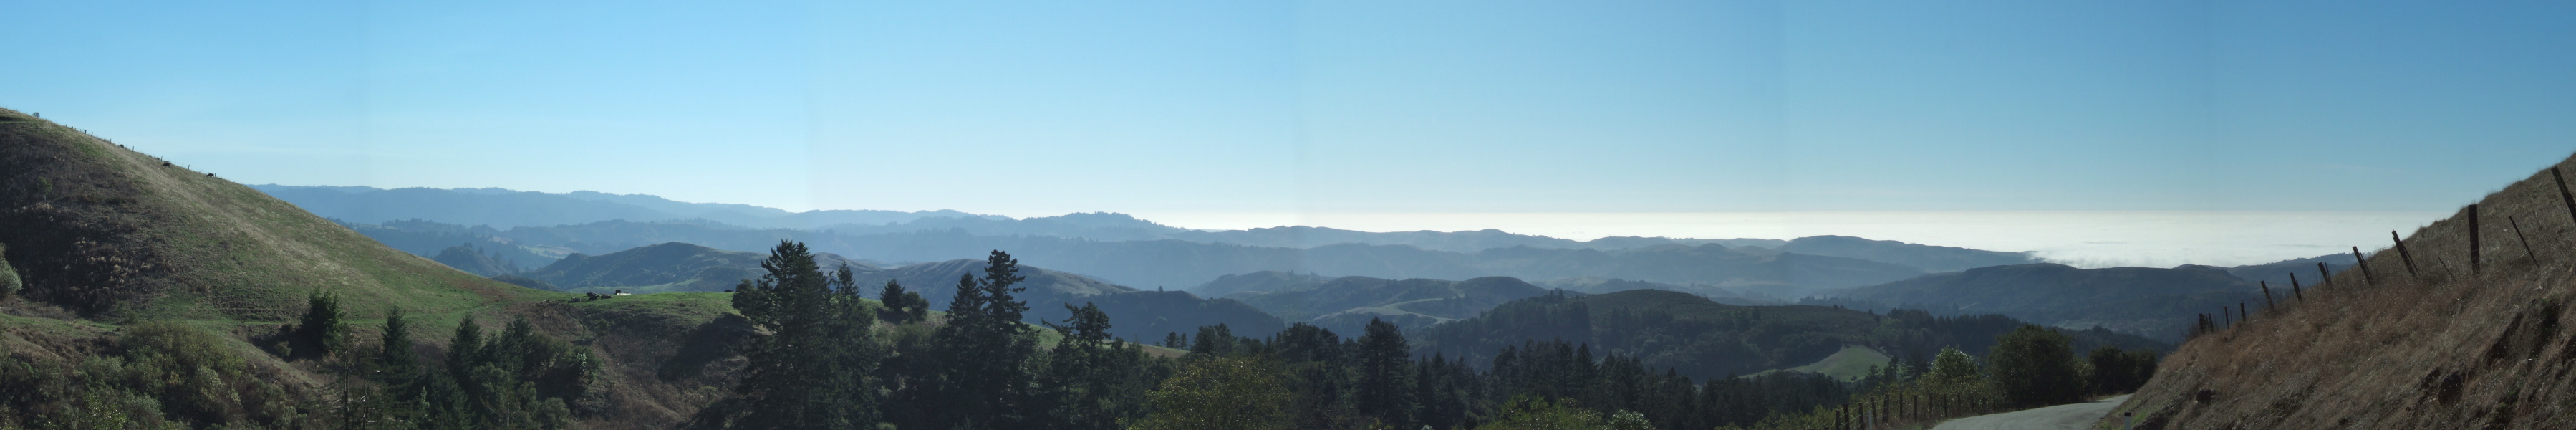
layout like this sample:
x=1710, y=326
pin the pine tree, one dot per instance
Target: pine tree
x=1082, y=373
x=1385, y=385
x=809, y=370
x=465, y=347
x=400, y=365
x=901, y=306
x=985, y=349
x=322, y=331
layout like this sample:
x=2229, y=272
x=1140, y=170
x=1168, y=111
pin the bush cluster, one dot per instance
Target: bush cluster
x=158, y=375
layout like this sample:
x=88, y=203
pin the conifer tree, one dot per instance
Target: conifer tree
x=808, y=371
x=401, y=366
x=322, y=331
x=985, y=349
x=901, y=306
x=1385, y=385
x=1082, y=373
x=464, y=348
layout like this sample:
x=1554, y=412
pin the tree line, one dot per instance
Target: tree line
x=828, y=359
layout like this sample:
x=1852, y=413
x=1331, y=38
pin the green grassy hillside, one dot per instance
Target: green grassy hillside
x=105, y=239
x=102, y=230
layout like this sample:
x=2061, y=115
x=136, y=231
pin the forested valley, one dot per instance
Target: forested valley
x=826, y=357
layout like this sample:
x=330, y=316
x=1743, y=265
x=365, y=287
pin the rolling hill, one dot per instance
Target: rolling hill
x=667, y=267
x=103, y=236
x=1346, y=304
x=1705, y=339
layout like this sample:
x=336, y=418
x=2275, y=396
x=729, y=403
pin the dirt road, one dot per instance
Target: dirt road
x=2066, y=417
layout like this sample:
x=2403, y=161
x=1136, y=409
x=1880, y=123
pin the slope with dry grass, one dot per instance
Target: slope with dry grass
x=2442, y=346
x=102, y=236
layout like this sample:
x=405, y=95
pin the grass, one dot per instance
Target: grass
x=1849, y=364
x=203, y=251
x=2453, y=348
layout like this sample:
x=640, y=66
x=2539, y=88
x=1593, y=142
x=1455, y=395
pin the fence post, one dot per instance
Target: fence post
x=2408, y=257
x=2241, y=315
x=2267, y=297
x=2526, y=240
x=2563, y=196
x=2473, y=239
x=2364, y=263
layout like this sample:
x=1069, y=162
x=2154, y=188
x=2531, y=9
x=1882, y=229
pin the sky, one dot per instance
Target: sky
x=1261, y=110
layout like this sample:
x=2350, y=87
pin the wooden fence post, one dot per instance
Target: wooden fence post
x=2473, y=239
x=2241, y=315
x=2364, y=263
x=2526, y=240
x=2222, y=317
x=2267, y=297
x=2408, y=257
x=2563, y=196
x=2294, y=284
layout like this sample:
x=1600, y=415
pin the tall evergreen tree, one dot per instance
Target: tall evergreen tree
x=1083, y=373
x=901, y=306
x=984, y=378
x=465, y=346
x=400, y=365
x=1385, y=388
x=809, y=370
x=322, y=330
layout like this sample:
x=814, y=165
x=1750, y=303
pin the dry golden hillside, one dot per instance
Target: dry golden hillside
x=2445, y=347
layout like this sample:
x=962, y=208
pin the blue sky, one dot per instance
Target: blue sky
x=1040, y=108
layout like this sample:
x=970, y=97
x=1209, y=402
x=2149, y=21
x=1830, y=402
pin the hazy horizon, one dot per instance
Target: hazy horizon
x=2089, y=239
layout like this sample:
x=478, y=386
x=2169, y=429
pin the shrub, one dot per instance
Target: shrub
x=186, y=369
x=1527, y=413
x=2116, y=371
x=2035, y=366
x=1952, y=367
x=1234, y=392
x=9, y=282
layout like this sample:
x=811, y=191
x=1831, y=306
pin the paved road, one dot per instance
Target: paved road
x=2060, y=417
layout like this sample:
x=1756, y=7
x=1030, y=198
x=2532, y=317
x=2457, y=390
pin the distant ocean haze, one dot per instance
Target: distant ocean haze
x=2088, y=239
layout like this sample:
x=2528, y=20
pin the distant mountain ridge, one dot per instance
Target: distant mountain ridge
x=2157, y=302
x=1177, y=263
x=504, y=209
